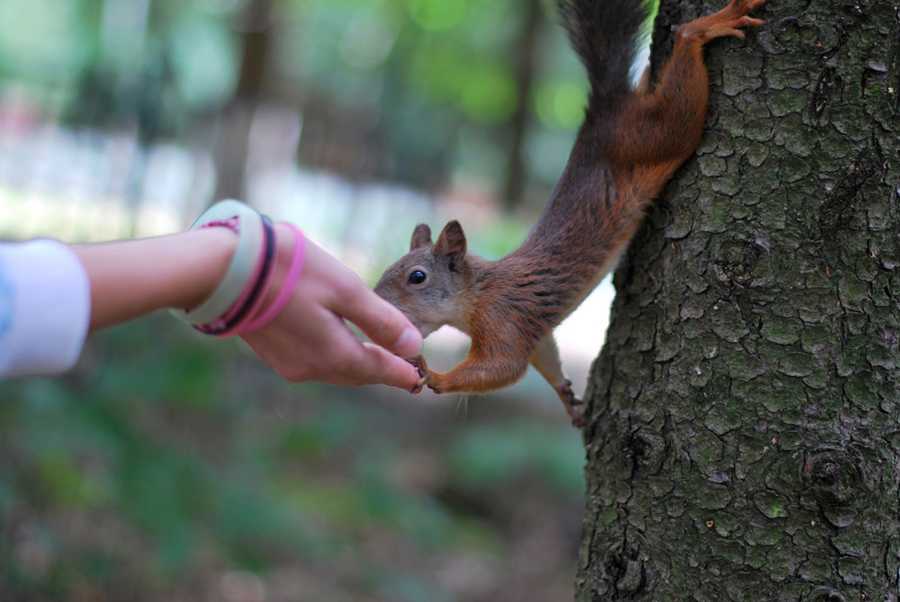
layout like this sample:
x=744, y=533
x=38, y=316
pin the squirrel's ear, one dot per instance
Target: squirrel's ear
x=421, y=237
x=451, y=244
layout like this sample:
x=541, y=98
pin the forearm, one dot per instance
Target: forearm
x=135, y=277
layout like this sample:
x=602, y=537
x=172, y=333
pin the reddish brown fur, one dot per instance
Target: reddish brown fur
x=510, y=307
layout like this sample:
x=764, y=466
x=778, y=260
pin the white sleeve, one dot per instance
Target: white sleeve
x=45, y=305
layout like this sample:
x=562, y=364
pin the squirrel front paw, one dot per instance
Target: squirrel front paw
x=427, y=378
x=424, y=377
x=420, y=384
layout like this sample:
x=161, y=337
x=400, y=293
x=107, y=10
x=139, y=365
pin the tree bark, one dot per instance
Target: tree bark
x=516, y=171
x=744, y=434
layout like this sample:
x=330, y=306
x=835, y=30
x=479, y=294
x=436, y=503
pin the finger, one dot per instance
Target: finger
x=376, y=365
x=383, y=323
x=349, y=297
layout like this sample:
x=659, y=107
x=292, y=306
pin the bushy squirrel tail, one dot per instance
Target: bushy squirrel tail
x=605, y=34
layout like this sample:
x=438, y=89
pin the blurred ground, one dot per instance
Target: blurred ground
x=170, y=467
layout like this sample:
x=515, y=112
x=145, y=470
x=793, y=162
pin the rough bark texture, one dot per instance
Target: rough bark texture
x=744, y=436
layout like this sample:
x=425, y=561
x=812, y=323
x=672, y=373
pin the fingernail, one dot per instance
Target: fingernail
x=409, y=345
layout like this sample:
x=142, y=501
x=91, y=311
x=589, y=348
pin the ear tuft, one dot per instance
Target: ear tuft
x=421, y=237
x=452, y=244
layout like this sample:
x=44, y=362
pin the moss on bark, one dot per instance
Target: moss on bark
x=744, y=436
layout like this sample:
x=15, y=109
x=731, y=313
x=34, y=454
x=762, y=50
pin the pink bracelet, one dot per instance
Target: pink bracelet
x=254, y=293
x=290, y=283
x=242, y=317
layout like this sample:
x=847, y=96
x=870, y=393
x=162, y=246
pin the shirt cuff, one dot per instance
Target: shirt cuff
x=45, y=306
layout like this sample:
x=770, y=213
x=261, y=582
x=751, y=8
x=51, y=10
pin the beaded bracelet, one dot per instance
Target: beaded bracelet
x=244, y=264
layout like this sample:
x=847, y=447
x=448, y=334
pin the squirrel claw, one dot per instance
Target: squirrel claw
x=424, y=378
x=570, y=402
x=417, y=388
x=578, y=419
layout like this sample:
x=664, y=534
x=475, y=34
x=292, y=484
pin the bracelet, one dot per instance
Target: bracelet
x=232, y=223
x=234, y=306
x=253, y=321
x=244, y=264
x=254, y=293
x=298, y=258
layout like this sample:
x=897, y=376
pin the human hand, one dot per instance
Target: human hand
x=309, y=339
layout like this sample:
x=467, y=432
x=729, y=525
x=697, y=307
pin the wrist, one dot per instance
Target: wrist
x=132, y=278
x=260, y=277
x=249, y=263
x=210, y=254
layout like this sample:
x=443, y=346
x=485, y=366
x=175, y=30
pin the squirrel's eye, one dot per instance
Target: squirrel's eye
x=417, y=277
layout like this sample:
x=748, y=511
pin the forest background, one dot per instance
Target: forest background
x=171, y=467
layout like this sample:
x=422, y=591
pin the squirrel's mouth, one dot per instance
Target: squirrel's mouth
x=424, y=329
x=425, y=326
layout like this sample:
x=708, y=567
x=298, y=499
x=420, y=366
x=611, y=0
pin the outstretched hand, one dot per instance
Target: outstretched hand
x=310, y=340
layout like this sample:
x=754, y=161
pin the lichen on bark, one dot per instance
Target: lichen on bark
x=744, y=435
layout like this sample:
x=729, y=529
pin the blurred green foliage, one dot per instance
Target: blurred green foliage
x=437, y=79
x=167, y=457
x=441, y=76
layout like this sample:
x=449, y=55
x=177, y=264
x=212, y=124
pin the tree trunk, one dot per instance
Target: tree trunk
x=237, y=116
x=516, y=172
x=744, y=435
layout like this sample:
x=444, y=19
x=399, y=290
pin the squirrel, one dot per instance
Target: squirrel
x=631, y=143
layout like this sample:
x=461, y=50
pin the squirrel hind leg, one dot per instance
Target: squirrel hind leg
x=545, y=360
x=726, y=22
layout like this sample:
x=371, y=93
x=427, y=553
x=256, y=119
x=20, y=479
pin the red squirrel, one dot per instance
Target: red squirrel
x=629, y=146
